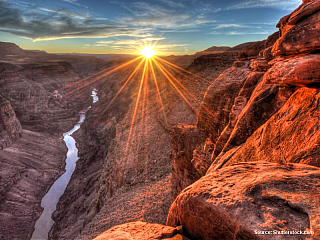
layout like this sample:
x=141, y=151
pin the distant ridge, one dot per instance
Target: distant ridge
x=213, y=50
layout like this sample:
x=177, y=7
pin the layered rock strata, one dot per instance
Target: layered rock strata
x=29, y=166
x=10, y=127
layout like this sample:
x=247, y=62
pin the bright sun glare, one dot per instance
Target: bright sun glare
x=148, y=52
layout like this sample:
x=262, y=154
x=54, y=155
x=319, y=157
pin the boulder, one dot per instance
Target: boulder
x=141, y=231
x=238, y=201
x=299, y=31
x=291, y=135
x=218, y=101
x=297, y=71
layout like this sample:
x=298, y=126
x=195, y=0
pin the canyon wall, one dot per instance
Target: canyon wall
x=38, y=102
x=10, y=127
x=264, y=133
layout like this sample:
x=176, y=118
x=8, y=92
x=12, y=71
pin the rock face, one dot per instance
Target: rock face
x=265, y=101
x=239, y=103
x=272, y=117
x=235, y=201
x=252, y=50
x=297, y=71
x=10, y=127
x=299, y=31
x=218, y=101
x=29, y=166
x=140, y=231
x=276, y=140
x=183, y=141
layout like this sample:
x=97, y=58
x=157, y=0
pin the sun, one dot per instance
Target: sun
x=148, y=52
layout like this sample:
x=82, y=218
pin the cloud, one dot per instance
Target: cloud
x=75, y=2
x=44, y=23
x=156, y=16
x=283, y=4
x=48, y=24
x=230, y=25
x=241, y=33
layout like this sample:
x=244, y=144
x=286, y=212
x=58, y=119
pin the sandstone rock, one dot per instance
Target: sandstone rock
x=260, y=65
x=304, y=11
x=140, y=231
x=183, y=141
x=10, y=127
x=267, y=53
x=233, y=202
x=299, y=31
x=252, y=50
x=240, y=64
x=201, y=159
x=218, y=101
x=291, y=135
x=298, y=71
x=271, y=39
x=239, y=104
x=29, y=166
x=265, y=101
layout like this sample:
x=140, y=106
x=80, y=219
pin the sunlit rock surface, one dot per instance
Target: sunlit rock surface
x=297, y=71
x=218, y=100
x=141, y=231
x=299, y=31
x=290, y=135
x=233, y=202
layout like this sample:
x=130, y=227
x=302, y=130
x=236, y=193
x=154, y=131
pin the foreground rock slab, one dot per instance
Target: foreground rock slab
x=233, y=202
x=140, y=231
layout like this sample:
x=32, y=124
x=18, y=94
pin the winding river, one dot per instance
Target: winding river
x=50, y=200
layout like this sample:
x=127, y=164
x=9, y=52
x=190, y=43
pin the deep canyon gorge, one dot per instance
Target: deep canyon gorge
x=231, y=148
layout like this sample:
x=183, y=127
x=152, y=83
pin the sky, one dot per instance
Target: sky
x=124, y=27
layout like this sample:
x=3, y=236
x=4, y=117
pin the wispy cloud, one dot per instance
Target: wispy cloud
x=75, y=2
x=283, y=4
x=45, y=23
x=232, y=25
x=157, y=16
x=49, y=24
x=241, y=33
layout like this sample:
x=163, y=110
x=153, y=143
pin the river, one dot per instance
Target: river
x=50, y=200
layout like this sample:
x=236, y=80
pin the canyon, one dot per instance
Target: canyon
x=239, y=154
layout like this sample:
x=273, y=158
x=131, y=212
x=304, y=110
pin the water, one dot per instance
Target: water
x=50, y=200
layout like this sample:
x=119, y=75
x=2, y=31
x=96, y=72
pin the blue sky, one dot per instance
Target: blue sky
x=99, y=26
